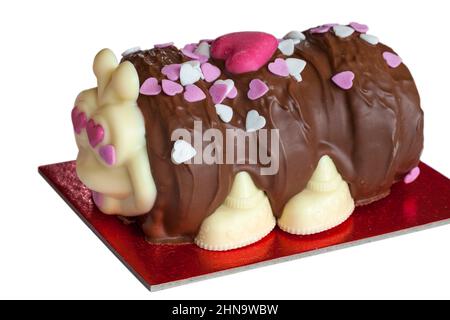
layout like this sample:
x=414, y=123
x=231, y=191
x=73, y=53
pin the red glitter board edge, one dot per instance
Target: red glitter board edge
x=422, y=204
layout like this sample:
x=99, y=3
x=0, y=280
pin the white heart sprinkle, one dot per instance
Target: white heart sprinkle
x=297, y=36
x=197, y=66
x=228, y=82
x=286, y=47
x=182, y=151
x=224, y=112
x=343, y=31
x=369, y=38
x=203, y=49
x=296, y=66
x=130, y=51
x=190, y=73
x=254, y=121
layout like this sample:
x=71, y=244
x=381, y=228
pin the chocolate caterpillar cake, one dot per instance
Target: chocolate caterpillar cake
x=218, y=142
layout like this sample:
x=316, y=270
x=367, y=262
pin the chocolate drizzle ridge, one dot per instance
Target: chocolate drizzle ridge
x=373, y=132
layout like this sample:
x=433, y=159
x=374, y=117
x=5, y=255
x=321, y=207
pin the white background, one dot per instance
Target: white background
x=46, y=54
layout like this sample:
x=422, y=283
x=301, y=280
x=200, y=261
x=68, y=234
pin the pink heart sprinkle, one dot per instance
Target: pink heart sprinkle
x=95, y=133
x=232, y=94
x=210, y=72
x=193, y=93
x=188, y=51
x=257, y=89
x=412, y=175
x=344, y=80
x=362, y=28
x=150, y=87
x=279, y=67
x=171, y=88
x=244, y=51
x=108, y=154
x=323, y=28
x=172, y=71
x=79, y=120
x=163, y=45
x=218, y=92
x=392, y=60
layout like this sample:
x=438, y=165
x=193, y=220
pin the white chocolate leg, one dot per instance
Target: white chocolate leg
x=244, y=218
x=325, y=203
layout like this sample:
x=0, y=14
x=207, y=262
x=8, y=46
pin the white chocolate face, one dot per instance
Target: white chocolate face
x=112, y=159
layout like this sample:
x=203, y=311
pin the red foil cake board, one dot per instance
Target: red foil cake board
x=422, y=204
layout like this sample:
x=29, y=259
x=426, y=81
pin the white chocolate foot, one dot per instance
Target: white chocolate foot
x=325, y=203
x=245, y=217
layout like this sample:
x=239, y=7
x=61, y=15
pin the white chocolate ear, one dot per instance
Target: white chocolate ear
x=124, y=82
x=105, y=63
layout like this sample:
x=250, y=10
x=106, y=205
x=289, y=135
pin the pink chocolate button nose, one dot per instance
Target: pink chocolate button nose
x=244, y=51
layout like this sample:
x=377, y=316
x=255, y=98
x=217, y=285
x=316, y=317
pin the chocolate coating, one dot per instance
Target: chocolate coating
x=373, y=132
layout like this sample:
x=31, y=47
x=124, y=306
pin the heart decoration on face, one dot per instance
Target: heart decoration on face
x=171, y=88
x=182, y=151
x=172, y=71
x=412, y=175
x=193, y=93
x=190, y=73
x=95, y=133
x=392, y=60
x=108, y=154
x=279, y=67
x=296, y=67
x=286, y=47
x=210, y=72
x=224, y=112
x=369, y=39
x=344, y=80
x=98, y=198
x=359, y=27
x=150, y=87
x=254, y=121
x=244, y=51
x=257, y=89
x=79, y=120
x=343, y=31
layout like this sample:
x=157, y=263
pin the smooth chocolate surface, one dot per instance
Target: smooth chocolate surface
x=373, y=132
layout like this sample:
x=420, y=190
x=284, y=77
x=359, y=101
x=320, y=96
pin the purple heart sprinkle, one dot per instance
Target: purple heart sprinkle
x=193, y=93
x=171, y=88
x=362, y=28
x=150, y=87
x=163, y=45
x=210, y=72
x=233, y=93
x=344, y=80
x=172, y=71
x=392, y=60
x=257, y=89
x=279, y=67
x=218, y=92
